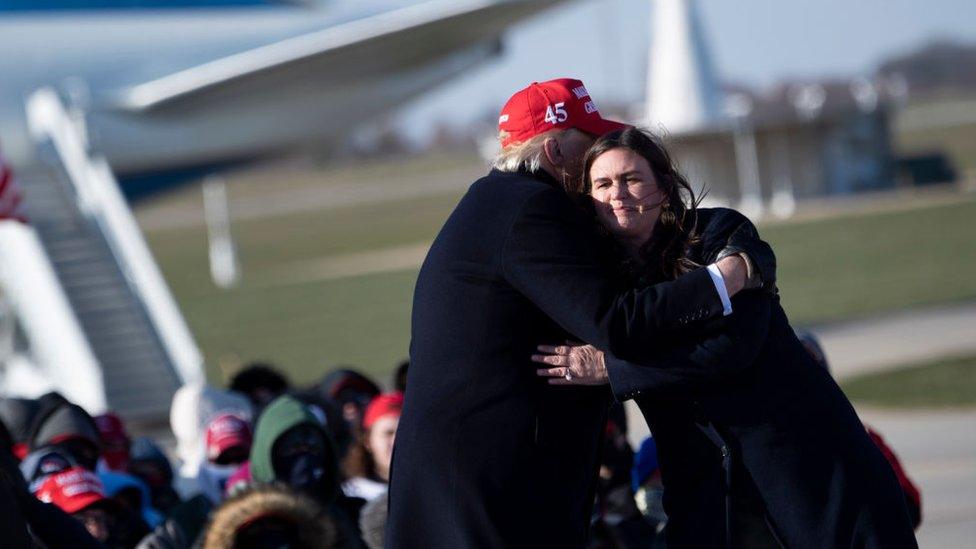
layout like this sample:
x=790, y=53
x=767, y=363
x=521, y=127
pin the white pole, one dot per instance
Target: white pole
x=224, y=266
x=739, y=108
x=783, y=203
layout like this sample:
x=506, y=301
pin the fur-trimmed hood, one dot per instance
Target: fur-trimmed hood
x=314, y=527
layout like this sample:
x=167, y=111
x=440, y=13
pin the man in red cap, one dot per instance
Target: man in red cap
x=78, y=492
x=548, y=126
x=227, y=443
x=228, y=440
x=486, y=454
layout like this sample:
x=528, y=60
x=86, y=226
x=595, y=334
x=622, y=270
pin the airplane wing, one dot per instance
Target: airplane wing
x=357, y=50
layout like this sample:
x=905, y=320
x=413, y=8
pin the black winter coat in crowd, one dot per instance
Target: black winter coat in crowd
x=487, y=454
x=754, y=438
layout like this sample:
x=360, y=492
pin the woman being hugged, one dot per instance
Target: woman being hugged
x=758, y=447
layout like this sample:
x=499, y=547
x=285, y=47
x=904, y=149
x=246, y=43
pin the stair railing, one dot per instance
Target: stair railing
x=100, y=199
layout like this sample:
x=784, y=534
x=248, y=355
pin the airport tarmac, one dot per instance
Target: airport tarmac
x=938, y=449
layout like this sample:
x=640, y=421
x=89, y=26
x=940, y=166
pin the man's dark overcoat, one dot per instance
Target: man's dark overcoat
x=487, y=454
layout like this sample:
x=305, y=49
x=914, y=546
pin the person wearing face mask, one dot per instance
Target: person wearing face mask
x=270, y=516
x=227, y=444
x=367, y=464
x=292, y=448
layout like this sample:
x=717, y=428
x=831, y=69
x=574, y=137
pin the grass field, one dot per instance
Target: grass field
x=861, y=264
x=829, y=269
x=946, y=383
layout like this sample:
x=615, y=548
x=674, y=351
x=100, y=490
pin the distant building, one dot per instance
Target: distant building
x=762, y=152
x=775, y=152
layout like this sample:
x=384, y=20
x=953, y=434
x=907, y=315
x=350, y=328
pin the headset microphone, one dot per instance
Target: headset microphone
x=644, y=208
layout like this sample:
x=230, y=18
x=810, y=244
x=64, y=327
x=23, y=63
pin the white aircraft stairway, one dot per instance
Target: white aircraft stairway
x=110, y=280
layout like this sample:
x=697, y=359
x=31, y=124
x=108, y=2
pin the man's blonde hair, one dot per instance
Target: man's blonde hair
x=527, y=154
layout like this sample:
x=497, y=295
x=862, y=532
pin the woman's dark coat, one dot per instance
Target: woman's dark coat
x=751, y=424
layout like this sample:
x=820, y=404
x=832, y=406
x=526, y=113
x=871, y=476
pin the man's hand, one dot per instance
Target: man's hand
x=575, y=364
x=734, y=271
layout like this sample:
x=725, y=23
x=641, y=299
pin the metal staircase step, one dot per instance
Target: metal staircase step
x=138, y=378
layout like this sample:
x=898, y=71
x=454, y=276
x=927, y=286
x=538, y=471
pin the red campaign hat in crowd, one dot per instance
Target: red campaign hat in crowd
x=556, y=104
x=72, y=490
x=227, y=431
x=111, y=429
x=115, y=441
x=384, y=405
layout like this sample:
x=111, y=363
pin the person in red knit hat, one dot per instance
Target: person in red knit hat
x=367, y=465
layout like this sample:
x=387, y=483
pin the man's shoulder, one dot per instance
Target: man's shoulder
x=507, y=195
x=513, y=184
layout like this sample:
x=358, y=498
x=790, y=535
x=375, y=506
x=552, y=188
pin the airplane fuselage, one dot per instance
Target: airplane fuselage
x=88, y=55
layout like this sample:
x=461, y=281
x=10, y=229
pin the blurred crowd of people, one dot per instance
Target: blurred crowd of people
x=257, y=464
x=265, y=464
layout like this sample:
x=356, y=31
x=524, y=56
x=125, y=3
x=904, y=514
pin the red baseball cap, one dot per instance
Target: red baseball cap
x=563, y=103
x=72, y=490
x=227, y=431
x=384, y=405
x=111, y=429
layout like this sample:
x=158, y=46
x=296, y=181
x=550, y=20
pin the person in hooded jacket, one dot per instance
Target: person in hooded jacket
x=131, y=493
x=25, y=521
x=67, y=427
x=17, y=415
x=194, y=406
x=148, y=463
x=227, y=442
x=352, y=392
x=292, y=448
x=270, y=516
x=330, y=414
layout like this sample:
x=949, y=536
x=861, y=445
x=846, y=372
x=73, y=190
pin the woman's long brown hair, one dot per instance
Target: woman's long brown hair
x=665, y=254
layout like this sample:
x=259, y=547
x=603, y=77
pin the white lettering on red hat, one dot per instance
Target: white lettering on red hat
x=590, y=107
x=502, y=119
x=556, y=114
x=580, y=92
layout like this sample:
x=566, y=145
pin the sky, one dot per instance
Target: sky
x=754, y=42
